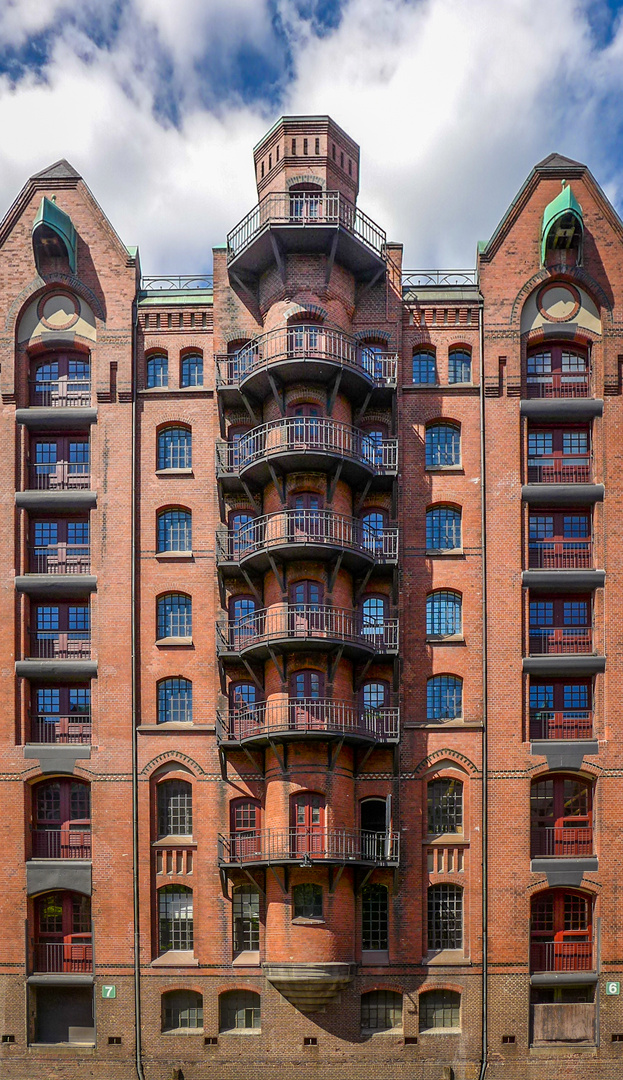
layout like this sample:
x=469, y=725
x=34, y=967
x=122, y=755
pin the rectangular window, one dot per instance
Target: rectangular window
x=246, y=921
x=445, y=917
x=317, y=148
x=374, y=919
x=294, y=146
x=304, y=146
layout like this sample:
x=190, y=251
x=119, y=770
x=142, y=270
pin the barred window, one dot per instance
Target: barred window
x=158, y=370
x=174, y=448
x=445, y=917
x=459, y=366
x=174, y=530
x=443, y=613
x=174, y=616
x=445, y=806
x=175, y=701
x=443, y=445
x=439, y=1009
x=307, y=901
x=246, y=919
x=444, y=698
x=175, y=808
x=182, y=1009
x=381, y=1010
x=175, y=918
x=191, y=373
x=424, y=366
x=374, y=918
x=239, y=1009
x=443, y=528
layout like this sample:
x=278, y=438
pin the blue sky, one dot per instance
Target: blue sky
x=159, y=102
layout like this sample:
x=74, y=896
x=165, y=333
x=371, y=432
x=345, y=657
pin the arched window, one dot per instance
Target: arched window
x=239, y=1010
x=175, y=808
x=443, y=445
x=439, y=1009
x=246, y=919
x=557, y=371
x=444, y=698
x=191, y=373
x=443, y=613
x=561, y=818
x=424, y=366
x=375, y=694
x=381, y=1010
x=374, y=524
x=174, y=616
x=307, y=816
x=242, y=533
x=374, y=918
x=175, y=701
x=561, y=936
x=443, y=528
x=175, y=918
x=174, y=448
x=460, y=366
x=175, y=530
x=157, y=370
x=307, y=901
x=374, y=619
x=244, y=819
x=243, y=623
x=445, y=917
x=182, y=1010
x=63, y=940
x=445, y=806
x=63, y=379
x=375, y=837
x=61, y=820
x=243, y=696
x=372, y=355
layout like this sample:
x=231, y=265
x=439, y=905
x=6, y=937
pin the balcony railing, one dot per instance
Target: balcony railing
x=61, y=843
x=72, y=957
x=304, y=844
x=307, y=433
x=416, y=279
x=57, y=645
x=561, y=955
x=62, y=476
x=548, y=640
x=63, y=393
x=555, y=842
x=560, y=555
x=305, y=209
x=315, y=527
x=559, y=384
x=575, y=469
x=308, y=715
x=72, y=728
x=60, y=559
x=569, y=724
x=306, y=622
x=306, y=345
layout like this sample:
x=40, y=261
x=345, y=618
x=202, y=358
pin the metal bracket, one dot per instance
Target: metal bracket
x=331, y=258
x=281, y=667
x=252, y=674
x=362, y=497
x=371, y=283
x=251, y=497
x=222, y=757
x=331, y=486
x=249, y=756
x=224, y=883
x=222, y=509
x=333, y=752
x=279, y=482
x=281, y=576
x=363, y=880
x=362, y=674
x=361, y=410
x=332, y=663
x=254, y=881
x=278, y=393
x=334, y=572
x=282, y=885
x=242, y=285
x=333, y=393
x=277, y=252
x=360, y=764
x=334, y=881
x=221, y=416
x=362, y=584
x=252, y=586
x=249, y=407
x=283, y=764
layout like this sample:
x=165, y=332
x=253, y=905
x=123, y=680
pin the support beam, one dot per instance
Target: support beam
x=251, y=497
x=362, y=408
x=242, y=285
x=255, y=418
x=279, y=574
x=252, y=674
x=331, y=258
x=332, y=663
x=364, y=880
x=334, y=881
x=251, y=759
x=371, y=283
x=334, y=572
x=333, y=479
x=331, y=396
x=252, y=586
x=363, y=496
x=362, y=584
x=280, y=663
x=278, y=253
x=277, y=392
x=254, y=881
x=360, y=764
x=279, y=482
x=280, y=883
x=283, y=765
x=333, y=753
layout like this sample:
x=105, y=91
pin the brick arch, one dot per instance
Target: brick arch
x=373, y=332
x=294, y=310
x=39, y=284
x=446, y=755
x=591, y=888
x=588, y=771
x=306, y=178
x=574, y=274
x=172, y=759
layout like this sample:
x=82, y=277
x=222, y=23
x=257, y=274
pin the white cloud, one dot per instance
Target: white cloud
x=452, y=104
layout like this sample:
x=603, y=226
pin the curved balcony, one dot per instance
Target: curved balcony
x=305, y=626
x=312, y=353
x=306, y=221
x=305, y=718
x=307, y=534
x=306, y=846
x=307, y=442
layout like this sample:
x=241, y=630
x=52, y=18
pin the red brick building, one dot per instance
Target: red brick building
x=304, y=635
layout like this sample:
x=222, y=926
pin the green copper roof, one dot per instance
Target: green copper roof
x=51, y=219
x=565, y=203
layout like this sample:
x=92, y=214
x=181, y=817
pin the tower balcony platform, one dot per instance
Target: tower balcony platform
x=293, y=627
x=308, y=718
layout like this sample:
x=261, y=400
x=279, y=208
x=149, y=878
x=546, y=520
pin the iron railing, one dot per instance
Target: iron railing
x=305, y=209
x=67, y=843
x=567, y=724
x=561, y=955
x=548, y=640
x=415, y=279
x=60, y=559
x=52, y=728
x=176, y=282
x=308, y=433
x=306, y=344
x=309, y=715
x=559, y=384
x=554, y=842
x=287, y=527
x=306, y=621
x=61, y=476
x=63, y=392
x=560, y=554
x=308, y=843
x=68, y=957
x=60, y=645
x=572, y=469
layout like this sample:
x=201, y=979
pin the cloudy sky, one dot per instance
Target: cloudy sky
x=159, y=102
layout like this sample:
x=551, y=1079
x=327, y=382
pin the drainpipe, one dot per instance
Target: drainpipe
x=485, y=747
x=135, y=836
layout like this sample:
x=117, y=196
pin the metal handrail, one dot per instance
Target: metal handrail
x=63, y=393
x=559, y=384
x=555, y=842
x=560, y=554
x=560, y=469
x=176, y=282
x=72, y=956
x=561, y=724
x=307, y=527
x=60, y=558
x=307, y=433
x=307, y=343
x=60, y=644
x=313, y=715
x=561, y=956
x=308, y=621
x=546, y=640
x=61, y=476
x=413, y=279
x=305, y=209
x=308, y=843
x=69, y=843
x=66, y=728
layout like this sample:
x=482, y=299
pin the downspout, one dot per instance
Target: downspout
x=485, y=747
x=135, y=835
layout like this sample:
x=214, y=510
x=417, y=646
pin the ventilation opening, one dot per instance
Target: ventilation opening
x=618, y=1037
x=210, y=1040
x=114, y=1040
x=509, y=1038
x=8, y=1038
x=410, y=1040
x=310, y=1040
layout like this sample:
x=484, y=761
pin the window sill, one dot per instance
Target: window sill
x=446, y=840
x=174, y=841
x=241, y=1031
x=372, y=1033
x=175, y=958
x=183, y=1031
x=168, y=641
x=446, y=958
x=444, y=469
x=374, y=957
x=445, y=552
x=300, y=920
x=154, y=729
x=440, y=1031
x=445, y=639
x=440, y=725
x=174, y=472
x=246, y=959
x=174, y=555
